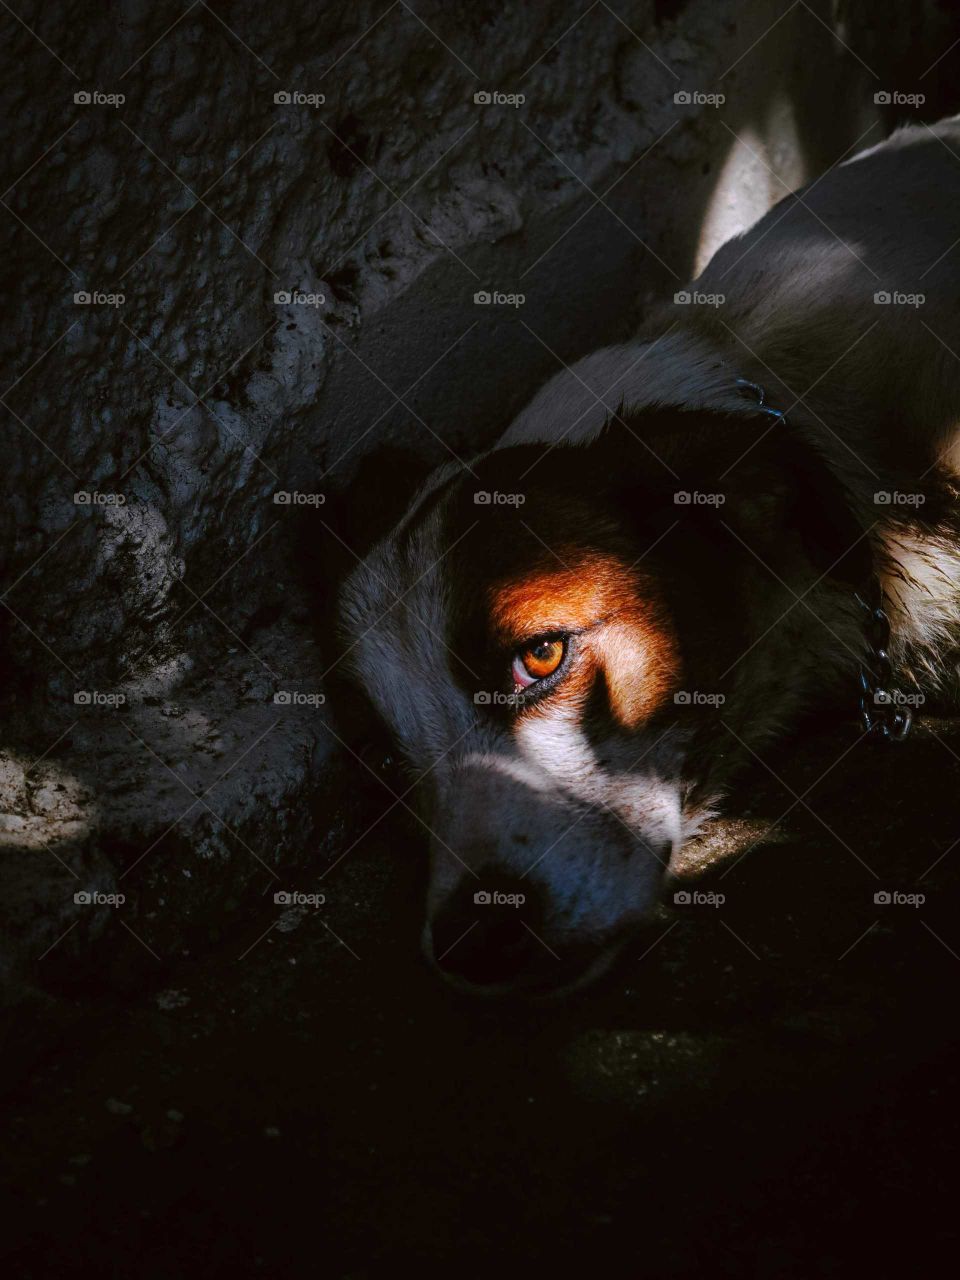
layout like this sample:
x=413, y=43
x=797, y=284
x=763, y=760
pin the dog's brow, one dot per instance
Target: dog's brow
x=565, y=600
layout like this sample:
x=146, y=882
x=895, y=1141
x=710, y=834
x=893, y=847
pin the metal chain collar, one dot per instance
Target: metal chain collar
x=882, y=709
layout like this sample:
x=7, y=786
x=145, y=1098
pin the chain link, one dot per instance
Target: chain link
x=882, y=710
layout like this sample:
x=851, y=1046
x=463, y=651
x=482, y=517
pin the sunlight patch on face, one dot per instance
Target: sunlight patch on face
x=645, y=803
x=624, y=642
x=635, y=676
x=525, y=771
x=567, y=598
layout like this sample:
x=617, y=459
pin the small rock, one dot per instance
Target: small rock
x=291, y=919
x=172, y=999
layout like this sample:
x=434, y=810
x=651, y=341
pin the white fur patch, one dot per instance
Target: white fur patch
x=922, y=593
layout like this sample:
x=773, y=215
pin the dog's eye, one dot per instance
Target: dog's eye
x=537, y=661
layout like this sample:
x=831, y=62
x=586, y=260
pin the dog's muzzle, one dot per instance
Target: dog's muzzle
x=491, y=944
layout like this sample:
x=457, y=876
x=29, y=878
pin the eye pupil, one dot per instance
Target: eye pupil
x=541, y=659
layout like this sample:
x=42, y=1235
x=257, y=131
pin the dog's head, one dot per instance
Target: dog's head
x=546, y=635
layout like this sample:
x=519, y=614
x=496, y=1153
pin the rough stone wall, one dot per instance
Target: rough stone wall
x=147, y=630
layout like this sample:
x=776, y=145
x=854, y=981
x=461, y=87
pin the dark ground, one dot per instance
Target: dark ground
x=758, y=1093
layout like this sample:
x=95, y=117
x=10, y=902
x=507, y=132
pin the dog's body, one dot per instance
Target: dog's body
x=642, y=644
x=876, y=392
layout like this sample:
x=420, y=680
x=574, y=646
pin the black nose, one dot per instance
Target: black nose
x=488, y=934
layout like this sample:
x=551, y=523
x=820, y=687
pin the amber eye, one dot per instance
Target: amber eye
x=537, y=661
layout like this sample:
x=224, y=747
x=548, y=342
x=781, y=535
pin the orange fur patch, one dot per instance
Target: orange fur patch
x=626, y=640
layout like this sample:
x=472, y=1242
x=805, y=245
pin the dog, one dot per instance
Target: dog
x=681, y=545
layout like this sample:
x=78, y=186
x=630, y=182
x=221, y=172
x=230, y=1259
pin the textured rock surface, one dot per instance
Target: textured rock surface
x=199, y=397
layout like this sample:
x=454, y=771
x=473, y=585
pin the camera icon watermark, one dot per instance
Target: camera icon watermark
x=293, y=898
x=897, y=698
x=487, y=898
x=494, y=298
x=93, y=97
x=294, y=98
x=94, y=898
x=895, y=898
x=486, y=498
x=686, y=498
x=494, y=98
x=298, y=298
x=97, y=698
x=496, y=698
x=88, y=498
x=294, y=498
x=897, y=498
x=698, y=898
x=694, y=298
x=894, y=298
x=84, y=298
x=696, y=698
x=695, y=98
x=296, y=698
x=894, y=98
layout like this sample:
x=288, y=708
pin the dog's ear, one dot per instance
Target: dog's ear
x=333, y=538
x=354, y=518
x=357, y=515
x=751, y=478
